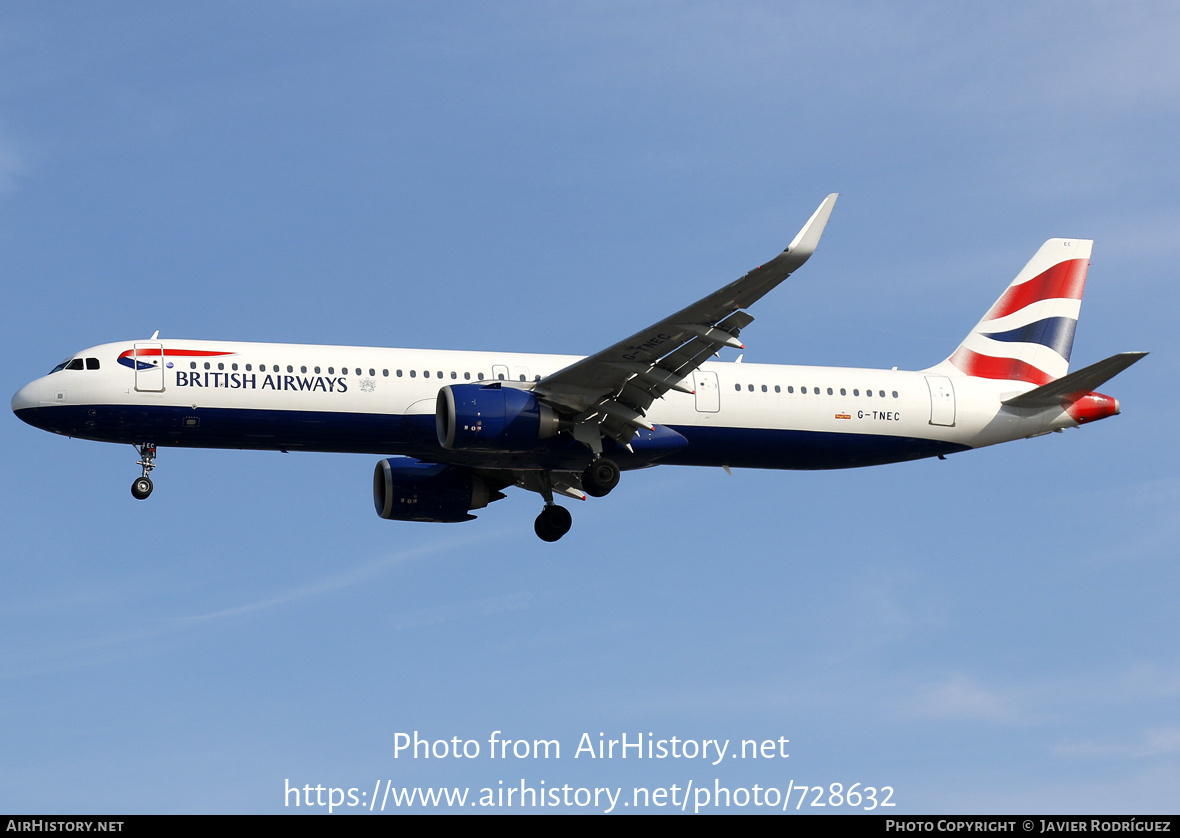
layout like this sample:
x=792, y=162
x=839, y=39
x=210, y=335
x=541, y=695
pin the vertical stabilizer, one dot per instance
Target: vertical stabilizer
x=1028, y=334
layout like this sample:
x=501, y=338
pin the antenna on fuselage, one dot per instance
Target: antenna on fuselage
x=155, y=335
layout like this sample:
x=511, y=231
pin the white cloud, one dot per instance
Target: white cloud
x=461, y=611
x=961, y=697
x=1149, y=743
x=344, y=580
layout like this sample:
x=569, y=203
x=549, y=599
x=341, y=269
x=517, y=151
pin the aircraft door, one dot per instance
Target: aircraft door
x=708, y=391
x=149, y=367
x=942, y=400
x=499, y=372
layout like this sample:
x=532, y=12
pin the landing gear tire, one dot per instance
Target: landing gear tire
x=601, y=476
x=141, y=488
x=553, y=523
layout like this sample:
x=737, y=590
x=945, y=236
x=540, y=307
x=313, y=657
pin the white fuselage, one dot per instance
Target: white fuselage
x=290, y=396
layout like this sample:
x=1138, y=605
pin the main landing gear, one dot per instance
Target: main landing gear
x=553, y=522
x=600, y=477
x=142, y=486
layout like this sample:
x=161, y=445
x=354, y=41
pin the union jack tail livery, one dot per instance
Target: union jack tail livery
x=1028, y=334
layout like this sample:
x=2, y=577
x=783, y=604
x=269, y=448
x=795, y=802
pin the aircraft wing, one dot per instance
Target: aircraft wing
x=610, y=390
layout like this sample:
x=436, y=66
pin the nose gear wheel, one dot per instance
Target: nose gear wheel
x=141, y=487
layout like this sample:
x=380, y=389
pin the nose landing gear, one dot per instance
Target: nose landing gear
x=142, y=486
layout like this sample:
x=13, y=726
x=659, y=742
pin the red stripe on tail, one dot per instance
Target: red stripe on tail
x=1008, y=369
x=1065, y=280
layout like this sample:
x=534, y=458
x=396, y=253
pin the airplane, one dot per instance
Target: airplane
x=457, y=428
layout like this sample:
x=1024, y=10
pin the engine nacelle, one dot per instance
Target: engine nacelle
x=489, y=417
x=405, y=489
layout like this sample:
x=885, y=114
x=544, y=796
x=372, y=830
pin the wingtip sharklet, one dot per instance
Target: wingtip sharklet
x=805, y=242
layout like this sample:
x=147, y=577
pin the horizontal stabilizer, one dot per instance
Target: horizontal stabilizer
x=1069, y=387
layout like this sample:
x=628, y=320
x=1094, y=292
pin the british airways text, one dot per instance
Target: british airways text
x=249, y=381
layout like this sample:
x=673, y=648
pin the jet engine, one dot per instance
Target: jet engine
x=489, y=417
x=405, y=489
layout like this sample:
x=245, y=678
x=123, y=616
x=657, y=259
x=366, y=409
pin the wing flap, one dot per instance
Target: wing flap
x=669, y=351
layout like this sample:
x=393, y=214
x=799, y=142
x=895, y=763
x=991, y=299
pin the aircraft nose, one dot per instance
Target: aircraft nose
x=27, y=397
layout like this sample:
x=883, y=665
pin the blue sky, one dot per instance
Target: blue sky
x=992, y=633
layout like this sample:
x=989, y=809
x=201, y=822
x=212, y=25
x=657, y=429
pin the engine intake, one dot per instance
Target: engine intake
x=489, y=417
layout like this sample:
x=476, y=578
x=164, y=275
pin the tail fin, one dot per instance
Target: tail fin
x=1028, y=334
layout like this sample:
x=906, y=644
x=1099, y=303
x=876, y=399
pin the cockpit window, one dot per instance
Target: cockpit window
x=76, y=364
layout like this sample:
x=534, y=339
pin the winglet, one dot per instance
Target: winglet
x=804, y=244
